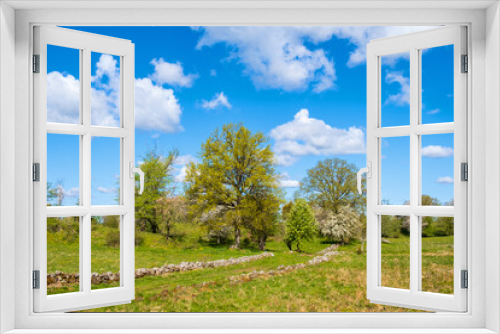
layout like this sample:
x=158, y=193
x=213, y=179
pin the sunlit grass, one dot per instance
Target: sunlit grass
x=335, y=286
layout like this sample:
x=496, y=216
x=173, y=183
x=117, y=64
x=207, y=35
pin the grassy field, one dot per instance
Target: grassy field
x=335, y=286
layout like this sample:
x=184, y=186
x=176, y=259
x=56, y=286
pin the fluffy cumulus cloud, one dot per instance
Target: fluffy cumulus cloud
x=63, y=98
x=156, y=108
x=219, y=100
x=437, y=151
x=290, y=58
x=171, y=74
x=275, y=57
x=403, y=97
x=444, y=179
x=305, y=135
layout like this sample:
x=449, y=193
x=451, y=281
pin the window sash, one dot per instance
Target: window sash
x=413, y=43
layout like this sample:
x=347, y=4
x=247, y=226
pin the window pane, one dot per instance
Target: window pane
x=437, y=254
x=395, y=89
x=105, y=94
x=395, y=254
x=63, y=85
x=105, y=171
x=63, y=170
x=395, y=171
x=437, y=169
x=437, y=84
x=105, y=251
x=63, y=255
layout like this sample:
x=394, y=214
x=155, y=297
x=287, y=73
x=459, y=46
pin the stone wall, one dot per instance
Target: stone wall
x=59, y=278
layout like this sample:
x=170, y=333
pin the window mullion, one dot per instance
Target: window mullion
x=86, y=242
x=414, y=170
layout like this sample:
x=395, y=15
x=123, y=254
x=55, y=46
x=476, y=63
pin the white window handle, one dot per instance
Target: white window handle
x=368, y=171
x=133, y=171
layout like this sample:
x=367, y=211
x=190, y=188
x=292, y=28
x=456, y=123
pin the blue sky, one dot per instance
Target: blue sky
x=304, y=87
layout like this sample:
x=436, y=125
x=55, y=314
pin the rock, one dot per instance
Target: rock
x=385, y=241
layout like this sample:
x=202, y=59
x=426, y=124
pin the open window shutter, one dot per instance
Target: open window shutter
x=84, y=130
x=414, y=295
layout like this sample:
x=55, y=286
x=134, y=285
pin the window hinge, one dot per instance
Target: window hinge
x=465, y=64
x=464, y=171
x=36, y=172
x=36, y=279
x=36, y=63
x=465, y=279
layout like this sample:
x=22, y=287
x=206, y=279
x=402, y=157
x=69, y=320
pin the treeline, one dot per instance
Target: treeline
x=233, y=194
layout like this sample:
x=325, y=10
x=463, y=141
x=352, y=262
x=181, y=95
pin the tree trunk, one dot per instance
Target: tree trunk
x=289, y=245
x=237, y=238
x=262, y=242
x=168, y=232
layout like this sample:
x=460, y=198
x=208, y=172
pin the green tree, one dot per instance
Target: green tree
x=158, y=178
x=300, y=225
x=264, y=221
x=236, y=168
x=331, y=184
x=171, y=210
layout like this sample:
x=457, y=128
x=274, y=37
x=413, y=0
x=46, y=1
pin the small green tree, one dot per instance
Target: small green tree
x=301, y=224
x=158, y=178
x=344, y=225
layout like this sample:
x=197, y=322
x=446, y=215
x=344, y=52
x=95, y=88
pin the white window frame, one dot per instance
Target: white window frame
x=483, y=125
x=414, y=43
x=85, y=43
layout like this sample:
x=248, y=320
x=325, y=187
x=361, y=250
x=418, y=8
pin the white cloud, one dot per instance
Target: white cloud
x=63, y=98
x=213, y=73
x=180, y=165
x=287, y=182
x=275, y=57
x=361, y=36
x=105, y=93
x=403, y=97
x=309, y=136
x=437, y=151
x=218, y=100
x=106, y=190
x=63, y=95
x=72, y=192
x=278, y=57
x=433, y=111
x=172, y=74
x=184, y=159
x=444, y=179
x=156, y=108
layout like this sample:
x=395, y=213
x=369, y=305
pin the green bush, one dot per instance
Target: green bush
x=113, y=238
x=391, y=227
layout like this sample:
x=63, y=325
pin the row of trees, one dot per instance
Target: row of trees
x=234, y=190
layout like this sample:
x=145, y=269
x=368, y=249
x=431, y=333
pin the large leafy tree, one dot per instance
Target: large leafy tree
x=331, y=184
x=158, y=179
x=300, y=225
x=235, y=178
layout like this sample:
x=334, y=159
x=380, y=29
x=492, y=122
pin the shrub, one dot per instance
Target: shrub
x=391, y=227
x=113, y=238
x=342, y=226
